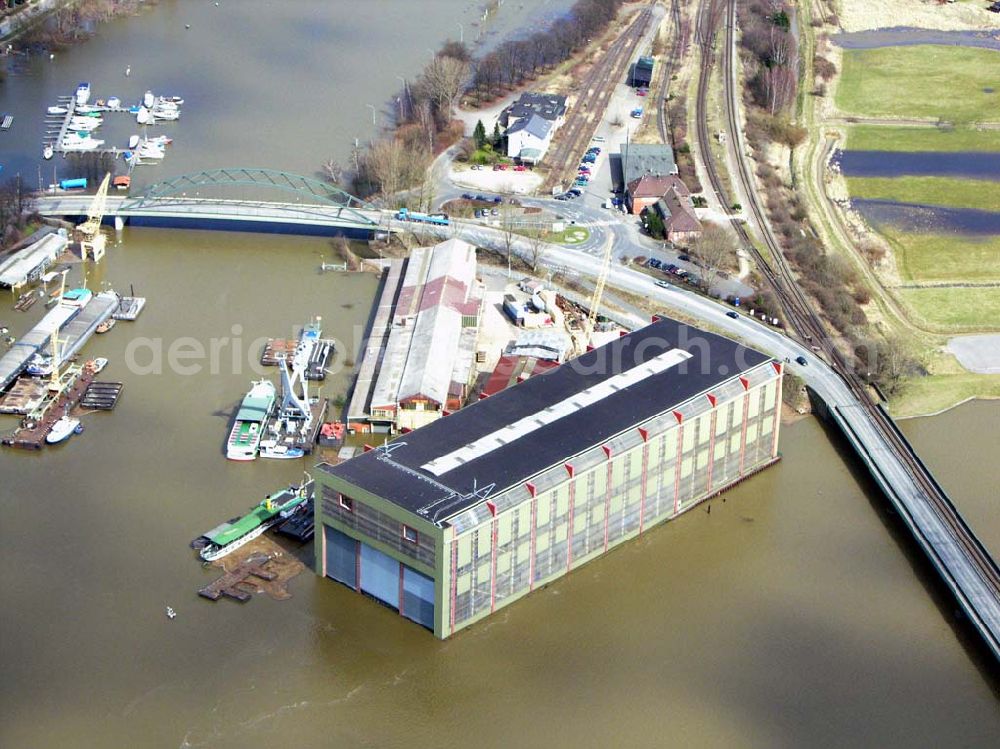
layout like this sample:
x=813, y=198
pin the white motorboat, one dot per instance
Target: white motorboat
x=133, y=141
x=47, y=152
x=57, y=110
x=166, y=114
x=97, y=365
x=86, y=109
x=147, y=150
x=77, y=142
x=82, y=92
x=114, y=102
x=62, y=429
x=143, y=116
x=161, y=140
x=271, y=449
x=164, y=103
x=84, y=124
x=171, y=613
x=171, y=100
x=148, y=100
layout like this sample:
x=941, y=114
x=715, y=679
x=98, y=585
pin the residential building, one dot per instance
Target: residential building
x=680, y=224
x=530, y=123
x=464, y=516
x=640, y=159
x=643, y=192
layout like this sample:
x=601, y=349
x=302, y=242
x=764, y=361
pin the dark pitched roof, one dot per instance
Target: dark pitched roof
x=399, y=473
x=549, y=106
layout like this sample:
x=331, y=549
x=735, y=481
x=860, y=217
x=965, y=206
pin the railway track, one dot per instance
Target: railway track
x=676, y=44
x=800, y=316
x=595, y=91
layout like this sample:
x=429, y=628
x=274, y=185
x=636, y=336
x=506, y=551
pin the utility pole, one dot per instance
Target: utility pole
x=461, y=33
x=372, y=107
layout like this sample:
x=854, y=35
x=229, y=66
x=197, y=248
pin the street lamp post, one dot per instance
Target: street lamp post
x=461, y=33
x=372, y=107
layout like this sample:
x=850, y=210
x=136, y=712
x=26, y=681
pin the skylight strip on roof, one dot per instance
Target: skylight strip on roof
x=574, y=403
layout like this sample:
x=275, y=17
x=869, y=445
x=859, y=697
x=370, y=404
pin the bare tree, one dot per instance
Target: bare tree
x=536, y=250
x=713, y=250
x=445, y=78
x=333, y=171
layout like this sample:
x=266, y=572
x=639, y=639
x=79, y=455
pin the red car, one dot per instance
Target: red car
x=520, y=168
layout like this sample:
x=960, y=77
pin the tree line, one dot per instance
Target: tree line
x=520, y=60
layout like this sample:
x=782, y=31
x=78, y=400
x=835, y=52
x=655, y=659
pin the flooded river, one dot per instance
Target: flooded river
x=790, y=615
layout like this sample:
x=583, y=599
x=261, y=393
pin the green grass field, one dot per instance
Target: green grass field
x=956, y=308
x=921, y=81
x=902, y=138
x=945, y=257
x=926, y=395
x=983, y=195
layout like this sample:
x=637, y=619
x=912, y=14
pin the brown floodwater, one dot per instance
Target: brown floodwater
x=789, y=615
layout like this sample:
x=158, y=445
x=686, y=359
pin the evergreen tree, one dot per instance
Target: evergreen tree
x=479, y=134
x=497, y=137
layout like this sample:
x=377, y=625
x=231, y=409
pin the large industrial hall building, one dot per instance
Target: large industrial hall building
x=450, y=522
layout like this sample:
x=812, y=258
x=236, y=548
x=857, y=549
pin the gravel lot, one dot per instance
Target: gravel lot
x=977, y=353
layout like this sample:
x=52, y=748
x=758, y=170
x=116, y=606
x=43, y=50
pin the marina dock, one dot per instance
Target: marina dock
x=373, y=347
x=229, y=584
x=75, y=328
x=101, y=396
x=32, y=436
x=129, y=308
x=30, y=263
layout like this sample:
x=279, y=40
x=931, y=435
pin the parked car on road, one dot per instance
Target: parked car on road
x=497, y=199
x=801, y=360
x=734, y=315
x=684, y=258
x=663, y=284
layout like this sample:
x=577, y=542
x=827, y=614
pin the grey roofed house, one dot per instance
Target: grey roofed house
x=548, y=106
x=638, y=159
x=535, y=125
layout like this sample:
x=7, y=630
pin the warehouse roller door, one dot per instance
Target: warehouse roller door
x=341, y=557
x=418, y=597
x=379, y=575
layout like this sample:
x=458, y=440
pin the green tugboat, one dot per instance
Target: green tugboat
x=234, y=533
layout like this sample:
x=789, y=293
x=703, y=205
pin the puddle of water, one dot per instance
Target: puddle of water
x=969, y=164
x=902, y=36
x=913, y=217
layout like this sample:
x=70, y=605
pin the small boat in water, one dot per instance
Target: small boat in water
x=171, y=613
x=133, y=141
x=39, y=366
x=86, y=109
x=82, y=92
x=47, y=152
x=62, y=430
x=271, y=449
x=96, y=365
x=114, y=102
x=148, y=100
x=57, y=110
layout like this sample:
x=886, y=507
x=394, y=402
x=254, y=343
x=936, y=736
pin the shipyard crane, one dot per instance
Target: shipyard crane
x=92, y=241
x=602, y=279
